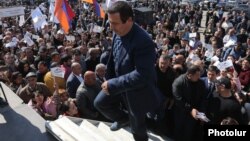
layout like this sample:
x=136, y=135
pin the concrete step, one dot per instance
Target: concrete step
x=94, y=131
x=66, y=130
x=77, y=129
x=120, y=135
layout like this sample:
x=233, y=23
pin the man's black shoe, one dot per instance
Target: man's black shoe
x=118, y=125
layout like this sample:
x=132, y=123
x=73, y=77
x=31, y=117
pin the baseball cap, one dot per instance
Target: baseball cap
x=30, y=74
x=224, y=81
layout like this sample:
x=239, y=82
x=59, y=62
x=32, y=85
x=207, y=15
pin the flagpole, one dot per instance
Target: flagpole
x=103, y=22
x=26, y=20
x=80, y=15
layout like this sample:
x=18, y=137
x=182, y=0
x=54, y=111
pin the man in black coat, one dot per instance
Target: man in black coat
x=189, y=94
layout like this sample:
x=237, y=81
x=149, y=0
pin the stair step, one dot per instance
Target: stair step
x=120, y=135
x=67, y=130
x=94, y=131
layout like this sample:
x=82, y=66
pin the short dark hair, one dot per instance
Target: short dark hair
x=193, y=69
x=123, y=8
x=212, y=68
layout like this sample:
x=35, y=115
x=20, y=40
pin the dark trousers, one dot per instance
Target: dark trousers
x=186, y=128
x=109, y=106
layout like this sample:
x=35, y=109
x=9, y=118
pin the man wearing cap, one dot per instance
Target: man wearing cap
x=58, y=38
x=26, y=93
x=42, y=56
x=223, y=103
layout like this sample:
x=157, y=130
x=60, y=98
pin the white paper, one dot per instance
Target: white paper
x=209, y=53
x=230, y=43
x=216, y=63
x=5, y=25
x=191, y=43
x=79, y=31
x=21, y=20
x=192, y=35
x=208, y=46
x=214, y=59
x=57, y=71
x=14, y=39
x=10, y=45
x=28, y=34
x=193, y=57
x=35, y=37
x=28, y=40
x=70, y=38
x=97, y=29
x=202, y=117
x=223, y=65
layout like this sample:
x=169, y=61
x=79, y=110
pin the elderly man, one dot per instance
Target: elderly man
x=100, y=71
x=74, y=80
x=27, y=92
x=85, y=96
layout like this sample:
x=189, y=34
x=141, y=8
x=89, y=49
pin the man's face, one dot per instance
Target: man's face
x=9, y=59
x=117, y=25
x=163, y=64
x=77, y=69
x=211, y=75
x=194, y=77
x=32, y=81
x=101, y=72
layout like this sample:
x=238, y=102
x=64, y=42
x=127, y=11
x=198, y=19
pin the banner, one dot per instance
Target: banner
x=10, y=12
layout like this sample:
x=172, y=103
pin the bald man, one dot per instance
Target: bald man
x=85, y=96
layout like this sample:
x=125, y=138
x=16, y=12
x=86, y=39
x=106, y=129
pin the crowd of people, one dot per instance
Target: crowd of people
x=196, y=77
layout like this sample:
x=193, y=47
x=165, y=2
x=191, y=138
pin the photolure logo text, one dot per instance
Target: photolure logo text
x=235, y=133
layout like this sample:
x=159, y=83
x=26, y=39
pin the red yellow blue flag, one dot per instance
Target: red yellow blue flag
x=64, y=14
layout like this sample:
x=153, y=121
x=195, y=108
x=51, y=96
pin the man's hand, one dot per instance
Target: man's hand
x=105, y=87
x=194, y=113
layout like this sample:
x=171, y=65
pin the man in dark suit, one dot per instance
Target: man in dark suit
x=74, y=80
x=212, y=72
x=130, y=73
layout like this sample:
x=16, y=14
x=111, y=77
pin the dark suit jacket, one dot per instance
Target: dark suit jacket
x=209, y=91
x=72, y=84
x=131, y=72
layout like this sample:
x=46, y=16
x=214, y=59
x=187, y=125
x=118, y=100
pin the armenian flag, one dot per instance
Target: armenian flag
x=64, y=14
x=98, y=9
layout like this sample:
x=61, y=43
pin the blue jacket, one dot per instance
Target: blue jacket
x=130, y=70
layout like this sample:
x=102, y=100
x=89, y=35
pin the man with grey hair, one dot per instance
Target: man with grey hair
x=74, y=80
x=100, y=72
